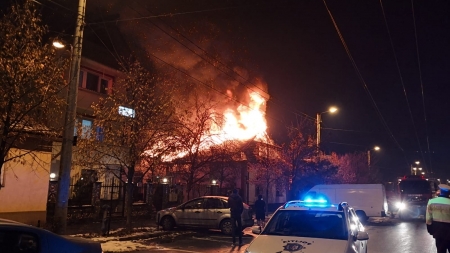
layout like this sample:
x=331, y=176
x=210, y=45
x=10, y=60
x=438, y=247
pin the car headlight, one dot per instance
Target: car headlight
x=400, y=205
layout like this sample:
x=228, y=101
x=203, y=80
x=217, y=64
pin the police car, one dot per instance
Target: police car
x=311, y=225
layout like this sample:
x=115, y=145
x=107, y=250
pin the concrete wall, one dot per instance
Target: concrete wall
x=24, y=195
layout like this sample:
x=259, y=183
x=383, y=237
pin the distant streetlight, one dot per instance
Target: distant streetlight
x=415, y=168
x=319, y=121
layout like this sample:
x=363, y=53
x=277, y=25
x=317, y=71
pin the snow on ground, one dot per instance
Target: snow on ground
x=124, y=246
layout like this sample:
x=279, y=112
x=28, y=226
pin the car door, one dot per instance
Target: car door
x=214, y=209
x=355, y=226
x=191, y=213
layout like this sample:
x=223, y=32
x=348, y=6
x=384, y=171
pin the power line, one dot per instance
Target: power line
x=401, y=77
x=170, y=14
x=347, y=50
x=276, y=102
x=421, y=87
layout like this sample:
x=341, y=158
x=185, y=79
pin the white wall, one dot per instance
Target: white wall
x=24, y=194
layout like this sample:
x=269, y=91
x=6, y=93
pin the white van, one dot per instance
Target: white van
x=368, y=200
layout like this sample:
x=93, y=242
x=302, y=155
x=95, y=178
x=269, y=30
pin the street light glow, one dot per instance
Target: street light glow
x=376, y=148
x=417, y=162
x=58, y=44
x=333, y=109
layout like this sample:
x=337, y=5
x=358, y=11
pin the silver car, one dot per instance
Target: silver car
x=17, y=237
x=204, y=212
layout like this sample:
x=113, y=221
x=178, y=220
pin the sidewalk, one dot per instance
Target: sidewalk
x=143, y=228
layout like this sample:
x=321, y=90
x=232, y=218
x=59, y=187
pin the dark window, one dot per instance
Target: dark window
x=92, y=82
x=308, y=223
x=17, y=241
x=213, y=203
x=415, y=187
x=194, y=204
x=224, y=204
x=104, y=86
x=99, y=135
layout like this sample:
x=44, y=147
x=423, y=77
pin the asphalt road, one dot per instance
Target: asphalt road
x=386, y=236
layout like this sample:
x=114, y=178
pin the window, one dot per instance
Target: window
x=86, y=130
x=126, y=111
x=86, y=127
x=194, y=204
x=213, y=203
x=17, y=241
x=307, y=223
x=94, y=81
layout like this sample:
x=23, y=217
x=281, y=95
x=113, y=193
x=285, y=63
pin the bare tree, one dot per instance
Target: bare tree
x=269, y=168
x=297, y=153
x=198, y=137
x=131, y=128
x=354, y=168
x=32, y=78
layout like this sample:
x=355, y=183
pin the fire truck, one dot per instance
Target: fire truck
x=413, y=194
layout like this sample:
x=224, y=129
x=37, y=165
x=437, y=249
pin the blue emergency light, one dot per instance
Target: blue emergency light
x=317, y=200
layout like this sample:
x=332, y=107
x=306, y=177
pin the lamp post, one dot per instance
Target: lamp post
x=60, y=219
x=376, y=148
x=319, y=121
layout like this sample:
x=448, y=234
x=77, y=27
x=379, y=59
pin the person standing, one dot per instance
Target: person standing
x=236, y=207
x=438, y=219
x=260, y=211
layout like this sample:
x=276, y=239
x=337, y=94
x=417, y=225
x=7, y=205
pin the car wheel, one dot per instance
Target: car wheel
x=226, y=227
x=167, y=223
x=362, y=216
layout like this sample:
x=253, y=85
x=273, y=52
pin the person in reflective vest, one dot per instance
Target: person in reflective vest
x=438, y=219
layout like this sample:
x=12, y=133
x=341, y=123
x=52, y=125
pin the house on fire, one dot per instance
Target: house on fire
x=249, y=170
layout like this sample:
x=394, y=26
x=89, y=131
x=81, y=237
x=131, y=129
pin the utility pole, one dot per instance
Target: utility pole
x=60, y=218
x=318, y=121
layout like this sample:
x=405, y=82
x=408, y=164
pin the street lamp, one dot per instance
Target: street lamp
x=319, y=121
x=376, y=148
x=414, y=169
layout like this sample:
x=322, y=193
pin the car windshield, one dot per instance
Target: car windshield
x=415, y=187
x=307, y=223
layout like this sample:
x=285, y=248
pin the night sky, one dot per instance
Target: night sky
x=292, y=49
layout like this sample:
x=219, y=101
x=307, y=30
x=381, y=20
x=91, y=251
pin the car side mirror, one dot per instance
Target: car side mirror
x=362, y=236
x=256, y=230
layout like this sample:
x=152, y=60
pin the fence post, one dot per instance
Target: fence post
x=95, y=201
x=149, y=195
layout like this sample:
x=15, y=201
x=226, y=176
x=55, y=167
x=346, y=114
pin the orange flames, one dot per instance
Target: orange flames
x=246, y=122
x=243, y=123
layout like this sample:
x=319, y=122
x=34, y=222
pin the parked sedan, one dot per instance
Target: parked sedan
x=17, y=237
x=204, y=212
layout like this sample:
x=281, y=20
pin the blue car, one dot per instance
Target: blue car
x=17, y=237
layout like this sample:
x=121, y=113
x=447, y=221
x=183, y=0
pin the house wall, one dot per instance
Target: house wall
x=23, y=196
